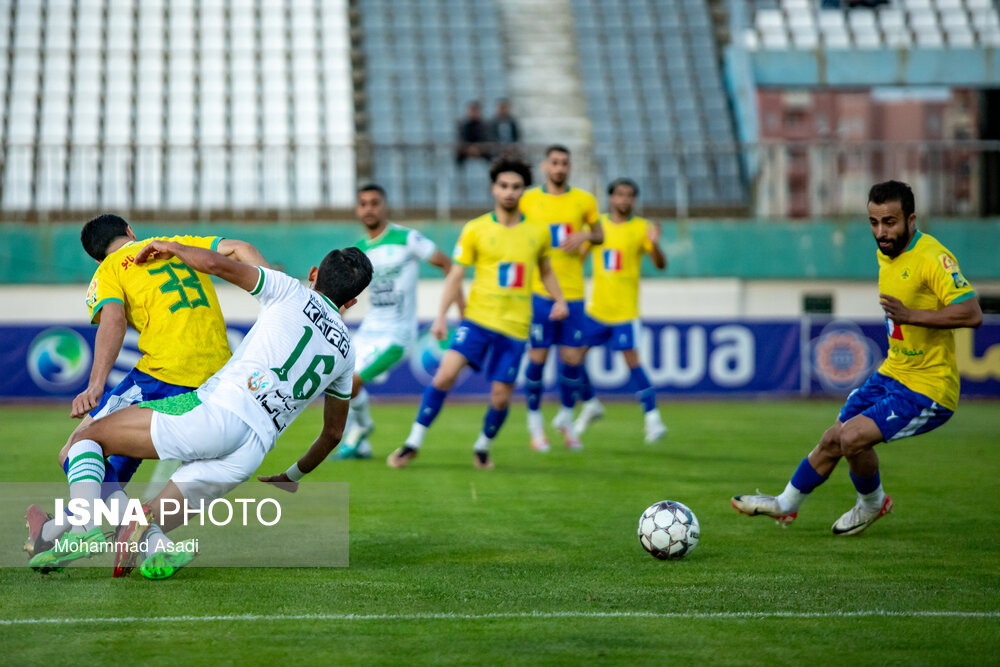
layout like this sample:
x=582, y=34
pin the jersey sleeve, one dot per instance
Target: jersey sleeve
x=590, y=215
x=945, y=279
x=274, y=286
x=208, y=242
x=645, y=243
x=465, y=248
x=343, y=383
x=419, y=245
x=545, y=245
x=104, y=288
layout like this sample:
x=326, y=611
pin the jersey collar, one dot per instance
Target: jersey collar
x=327, y=299
x=369, y=240
x=493, y=214
x=568, y=188
x=916, y=237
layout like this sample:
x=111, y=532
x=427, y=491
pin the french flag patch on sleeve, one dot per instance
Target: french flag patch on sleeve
x=612, y=259
x=560, y=231
x=511, y=274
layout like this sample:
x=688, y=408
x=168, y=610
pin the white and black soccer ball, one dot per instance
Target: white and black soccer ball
x=668, y=530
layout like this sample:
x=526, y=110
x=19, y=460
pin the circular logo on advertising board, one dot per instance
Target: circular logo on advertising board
x=843, y=357
x=58, y=359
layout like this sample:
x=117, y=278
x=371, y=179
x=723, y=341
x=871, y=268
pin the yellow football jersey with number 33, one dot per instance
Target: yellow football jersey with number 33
x=182, y=335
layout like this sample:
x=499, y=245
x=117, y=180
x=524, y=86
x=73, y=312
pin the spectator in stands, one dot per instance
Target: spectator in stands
x=503, y=127
x=473, y=135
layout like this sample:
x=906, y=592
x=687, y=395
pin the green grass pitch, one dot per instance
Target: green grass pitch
x=537, y=561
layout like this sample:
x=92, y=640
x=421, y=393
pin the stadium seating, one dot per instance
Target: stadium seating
x=655, y=98
x=176, y=104
x=425, y=60
x=927, y=24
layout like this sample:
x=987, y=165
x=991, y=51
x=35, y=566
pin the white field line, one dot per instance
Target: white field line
x=723, y=615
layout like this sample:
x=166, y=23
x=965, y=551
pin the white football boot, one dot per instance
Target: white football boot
x=859, y=517
x=592, y=411
x=761, y=504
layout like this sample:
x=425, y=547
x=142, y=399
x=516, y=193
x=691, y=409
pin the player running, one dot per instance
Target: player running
x=298, y=347
x=389, y=329
x=182, y=338
x=613, y=310
x=506, y=250
x=925, y=297
x=569, y=216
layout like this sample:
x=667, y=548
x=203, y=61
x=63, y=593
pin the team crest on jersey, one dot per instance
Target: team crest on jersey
x=510, y=274
x=92, y=294
x=560, y=231
x=951, y=266
x=612, y=259
x=260, y=381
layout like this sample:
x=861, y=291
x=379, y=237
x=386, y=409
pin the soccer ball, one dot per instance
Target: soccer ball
x=668, y=530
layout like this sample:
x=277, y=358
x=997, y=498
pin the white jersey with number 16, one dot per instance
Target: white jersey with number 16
x=297, y=349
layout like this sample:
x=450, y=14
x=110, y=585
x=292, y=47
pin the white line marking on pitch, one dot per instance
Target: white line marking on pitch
x=724, y=615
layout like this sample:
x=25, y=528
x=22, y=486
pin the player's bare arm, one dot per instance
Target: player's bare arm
x=443, y=262
x=559, y=309
x=334, y=418
x=110, y=335
x=242, y=252
x=593, y=236
x=654, y=232
x=452, y=294
x=953, y=316
x=206, y=261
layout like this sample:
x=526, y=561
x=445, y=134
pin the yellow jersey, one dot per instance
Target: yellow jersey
x=617, y=263
x=924, y=276
x=561, y=215
x=505, y=261
x=182, y=335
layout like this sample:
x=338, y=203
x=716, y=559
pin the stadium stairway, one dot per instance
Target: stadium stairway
x=544, y=78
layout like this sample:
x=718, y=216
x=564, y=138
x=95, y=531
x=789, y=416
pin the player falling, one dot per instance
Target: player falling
x=297, y=349
x=389, y=329
x=925, y=298
x=613, y=310
x=506, y=250
x=569, y=217
x=182, y=340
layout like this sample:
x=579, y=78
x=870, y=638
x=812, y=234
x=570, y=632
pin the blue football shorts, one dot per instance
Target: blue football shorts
x=899, y=412
x=545, y=333
x=497, y=354
x=135, y=387
x=618, y=337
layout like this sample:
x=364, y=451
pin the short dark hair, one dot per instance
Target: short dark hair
x=556, y=148
x=98, y=234
x=510, y=163
x=893, y=191
x=343, y=274
x=623, y=181
x=373, y=187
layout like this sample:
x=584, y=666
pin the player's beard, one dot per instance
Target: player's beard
x=896, y=246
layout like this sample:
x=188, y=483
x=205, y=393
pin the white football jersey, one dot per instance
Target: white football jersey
x=395, y=256
x=297, y=349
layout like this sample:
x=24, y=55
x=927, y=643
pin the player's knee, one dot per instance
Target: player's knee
x=853, y=442
x=829, y=444
x=444, y=378
x=500, y=398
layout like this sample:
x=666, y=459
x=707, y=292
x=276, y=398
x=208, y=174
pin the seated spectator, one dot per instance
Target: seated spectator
x=503, y=126
x=473, y=135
